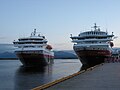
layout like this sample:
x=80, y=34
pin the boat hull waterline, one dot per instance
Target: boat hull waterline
x=34, y=59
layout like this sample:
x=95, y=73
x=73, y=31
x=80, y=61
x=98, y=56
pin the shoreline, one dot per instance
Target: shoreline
x=18, y=58
x=8, y=58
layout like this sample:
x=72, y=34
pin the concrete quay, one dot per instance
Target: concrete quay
x=102, y=77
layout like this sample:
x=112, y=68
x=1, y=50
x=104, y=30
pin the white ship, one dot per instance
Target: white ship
x=93, y=47
x=34, y=50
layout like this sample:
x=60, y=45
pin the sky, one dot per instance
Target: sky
x=57, y=19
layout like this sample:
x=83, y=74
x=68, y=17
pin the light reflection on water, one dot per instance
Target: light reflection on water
x=27, y=78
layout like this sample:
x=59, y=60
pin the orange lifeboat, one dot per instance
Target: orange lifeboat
x=49, y=47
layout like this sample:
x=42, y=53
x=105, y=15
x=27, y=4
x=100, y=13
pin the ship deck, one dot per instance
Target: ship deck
x=101, y=77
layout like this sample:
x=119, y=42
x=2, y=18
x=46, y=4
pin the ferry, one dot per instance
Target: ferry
x=93, y=46
x=34, y=50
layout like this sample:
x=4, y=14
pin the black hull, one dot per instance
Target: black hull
x=91, y=61
x=93, y=57
x=34, y=60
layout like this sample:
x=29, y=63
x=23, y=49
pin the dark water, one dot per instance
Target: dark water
x=15, y=77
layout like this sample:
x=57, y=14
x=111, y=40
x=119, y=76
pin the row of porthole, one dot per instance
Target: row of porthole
x=92, y=48
x=94, y=33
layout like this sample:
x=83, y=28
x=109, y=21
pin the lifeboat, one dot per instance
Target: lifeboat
x=49, y=47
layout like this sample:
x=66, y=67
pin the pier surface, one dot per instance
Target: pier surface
x=103, y=77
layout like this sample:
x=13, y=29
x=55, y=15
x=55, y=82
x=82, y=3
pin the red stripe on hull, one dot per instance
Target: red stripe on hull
x=105, y=53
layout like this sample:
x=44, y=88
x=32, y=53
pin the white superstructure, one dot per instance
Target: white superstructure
x=92, y=40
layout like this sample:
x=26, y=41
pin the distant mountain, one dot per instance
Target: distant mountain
x=6, y=48
x=7, y=55
x=65, y=54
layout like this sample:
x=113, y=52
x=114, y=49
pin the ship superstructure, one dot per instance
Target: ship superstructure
x=34, y=50
x=93, y=47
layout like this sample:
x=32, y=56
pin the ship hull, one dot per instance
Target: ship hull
x=93, y=57
x=33, y=59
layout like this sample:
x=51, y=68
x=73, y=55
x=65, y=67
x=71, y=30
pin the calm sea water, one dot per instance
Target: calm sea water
x=13, y=76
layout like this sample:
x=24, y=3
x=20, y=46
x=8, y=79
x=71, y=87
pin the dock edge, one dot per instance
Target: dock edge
x=44, y=86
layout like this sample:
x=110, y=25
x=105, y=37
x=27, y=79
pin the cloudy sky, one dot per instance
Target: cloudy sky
x=57, y=19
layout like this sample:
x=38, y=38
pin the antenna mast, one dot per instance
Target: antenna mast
x=96, y=28
x=34, y=32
